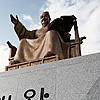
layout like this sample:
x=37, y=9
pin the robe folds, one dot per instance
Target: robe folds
x=31, y=48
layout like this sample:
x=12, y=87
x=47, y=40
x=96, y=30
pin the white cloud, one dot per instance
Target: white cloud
x=4, y=55
x=27, y=17
x=32, y=24
x=87, y=13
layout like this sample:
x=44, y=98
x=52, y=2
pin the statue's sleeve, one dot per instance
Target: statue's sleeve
x=22, y=32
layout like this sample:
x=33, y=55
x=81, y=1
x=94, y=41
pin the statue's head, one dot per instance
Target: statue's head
x=45, y=18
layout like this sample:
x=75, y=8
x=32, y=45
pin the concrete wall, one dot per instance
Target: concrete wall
x=72, y=79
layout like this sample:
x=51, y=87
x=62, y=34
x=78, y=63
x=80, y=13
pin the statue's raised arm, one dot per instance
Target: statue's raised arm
x=20, y=29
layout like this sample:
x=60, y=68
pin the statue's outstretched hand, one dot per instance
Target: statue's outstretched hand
x=14, y=20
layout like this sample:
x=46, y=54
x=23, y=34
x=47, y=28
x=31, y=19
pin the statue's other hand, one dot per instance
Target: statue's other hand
x=13, y=20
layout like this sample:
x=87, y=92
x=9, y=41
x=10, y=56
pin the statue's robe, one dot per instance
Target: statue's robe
x=37, y=44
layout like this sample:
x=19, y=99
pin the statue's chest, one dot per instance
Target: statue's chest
x=41, y=32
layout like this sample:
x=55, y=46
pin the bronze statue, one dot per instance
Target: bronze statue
x=50, y=43
x=47, y=41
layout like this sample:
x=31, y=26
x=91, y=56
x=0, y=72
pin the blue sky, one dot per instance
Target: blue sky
x=16, y=7
x=28, y=11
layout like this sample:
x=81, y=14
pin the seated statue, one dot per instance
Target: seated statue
x=46, y=41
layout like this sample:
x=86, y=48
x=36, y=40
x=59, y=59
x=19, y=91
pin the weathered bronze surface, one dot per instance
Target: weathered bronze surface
x=51, y=39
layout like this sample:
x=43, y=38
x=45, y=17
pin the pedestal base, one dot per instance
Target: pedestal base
x=70, y=79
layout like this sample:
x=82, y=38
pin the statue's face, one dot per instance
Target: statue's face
x=45, y=19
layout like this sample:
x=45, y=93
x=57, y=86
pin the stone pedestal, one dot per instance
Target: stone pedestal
x=72, y=79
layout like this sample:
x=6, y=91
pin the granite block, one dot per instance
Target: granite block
x=70, y=79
